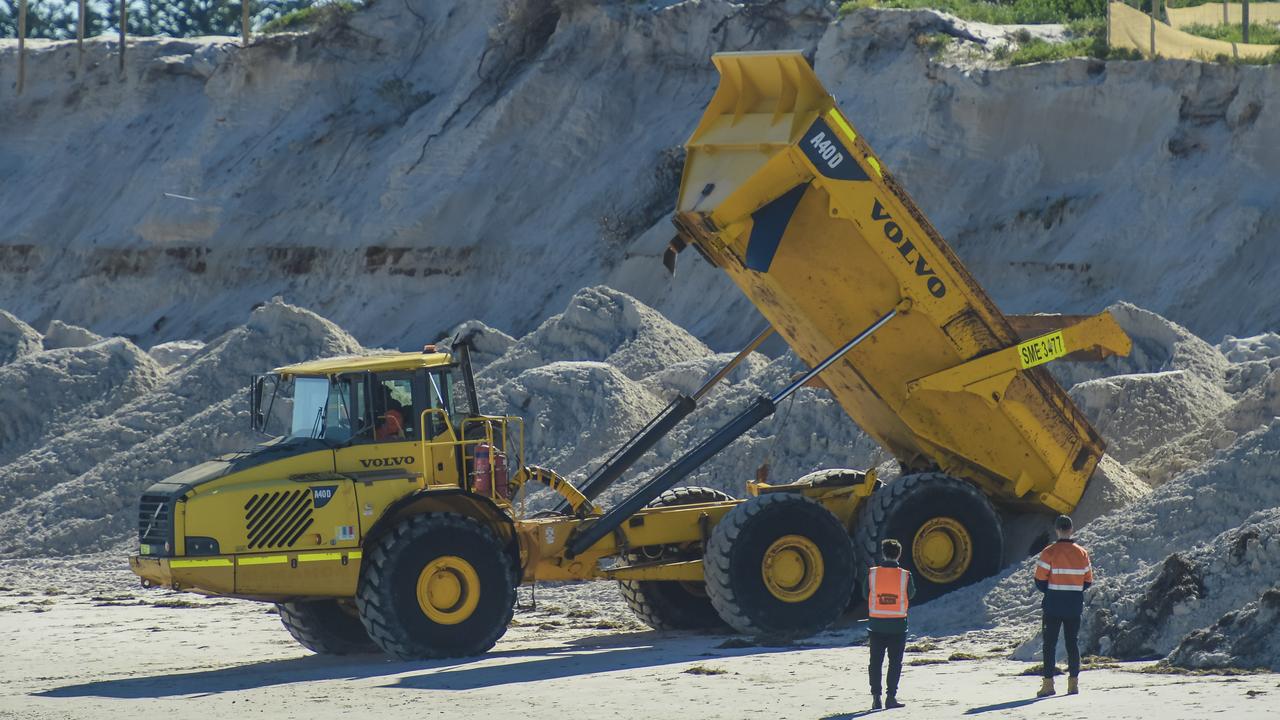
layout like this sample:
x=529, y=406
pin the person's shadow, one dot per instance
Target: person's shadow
x=1009, y=705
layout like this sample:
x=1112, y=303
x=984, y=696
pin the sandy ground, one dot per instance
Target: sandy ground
x=87, y=644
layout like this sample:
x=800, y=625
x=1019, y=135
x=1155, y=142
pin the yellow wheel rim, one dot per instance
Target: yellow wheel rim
x=792, y=568
x=942, y=550
x=448, y=590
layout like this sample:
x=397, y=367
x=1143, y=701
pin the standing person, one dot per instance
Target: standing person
x=888, y=587
x=1063, y=573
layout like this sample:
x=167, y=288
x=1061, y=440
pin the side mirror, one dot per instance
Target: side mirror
x=257, y=418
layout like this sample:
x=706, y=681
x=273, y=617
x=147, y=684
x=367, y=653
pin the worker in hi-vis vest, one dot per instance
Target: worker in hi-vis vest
x=1063, y=573
x=888, y=588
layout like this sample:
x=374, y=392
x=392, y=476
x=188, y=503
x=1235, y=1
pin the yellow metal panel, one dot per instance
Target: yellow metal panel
x=689, y=571
x=384, y=362
x=852, y=247
x=322, y=574
x=200, y=562
x=262, y=560
x=543, y=539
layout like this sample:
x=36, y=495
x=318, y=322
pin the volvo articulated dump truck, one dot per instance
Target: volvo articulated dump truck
x=386, y=518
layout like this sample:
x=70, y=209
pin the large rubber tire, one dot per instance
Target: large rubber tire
x=326, y=627
x=388, y=592
x=669, y=605
x=734, y=566
x=832, y=478
x=901, y=508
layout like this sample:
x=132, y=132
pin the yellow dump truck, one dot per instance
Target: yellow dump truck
x=385, y=516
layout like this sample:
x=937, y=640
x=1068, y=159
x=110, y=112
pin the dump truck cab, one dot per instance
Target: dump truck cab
x=365, y=441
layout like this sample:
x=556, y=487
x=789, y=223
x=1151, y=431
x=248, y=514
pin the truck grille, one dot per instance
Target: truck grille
x=277, y=519
x=155, y=522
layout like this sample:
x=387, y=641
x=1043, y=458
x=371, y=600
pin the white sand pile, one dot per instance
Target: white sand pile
x=1171, y=384
x=573, y=411
x=1112, y=486
x=487, y=343
x=604, y=325
x=1258, y=347
x=64, y=389
x=177, y=352
x=62, y=335
x=78, y=489
x=1255, y=400
x=17, y=338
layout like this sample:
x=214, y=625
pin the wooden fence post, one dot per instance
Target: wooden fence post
x=244, y=23
x=22, y=44
x=80, y=38
x=1153, y=29
x=124, y=29
x=1244, y=21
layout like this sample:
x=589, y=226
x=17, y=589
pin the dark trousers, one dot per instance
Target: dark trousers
x=1070, y=626
x=894, y=644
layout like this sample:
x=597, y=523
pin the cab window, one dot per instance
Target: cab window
x=395, y=413
x=439, y=390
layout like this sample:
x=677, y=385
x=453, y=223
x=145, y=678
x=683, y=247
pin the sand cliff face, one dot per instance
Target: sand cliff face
x=431, y=162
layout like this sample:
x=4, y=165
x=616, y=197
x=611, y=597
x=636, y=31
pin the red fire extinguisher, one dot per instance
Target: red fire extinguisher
x=490, y=472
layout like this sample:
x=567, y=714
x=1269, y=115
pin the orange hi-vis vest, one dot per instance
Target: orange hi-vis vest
x=1065, y=565
x=887, y=592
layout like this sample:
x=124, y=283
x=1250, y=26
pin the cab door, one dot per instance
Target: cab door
x=384, y=455
x=443, y=449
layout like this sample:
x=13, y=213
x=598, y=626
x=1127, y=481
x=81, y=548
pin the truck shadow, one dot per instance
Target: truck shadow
x=583, y=656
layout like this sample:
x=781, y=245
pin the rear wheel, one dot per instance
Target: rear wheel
x=327, y=627
x=436, y=585
x=779, y=565
x=950, y=534
x=672, y=605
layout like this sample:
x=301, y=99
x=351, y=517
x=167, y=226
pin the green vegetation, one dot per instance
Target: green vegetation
x=1194, y=3
x=318, y=15
x=927, y=661
x=1015, y=12
x=175, y=18
x=933, y=42
x=1258, y=34
x=1164, y=668
x=1085, y=38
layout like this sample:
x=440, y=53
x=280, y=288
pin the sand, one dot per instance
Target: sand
x=94, y=646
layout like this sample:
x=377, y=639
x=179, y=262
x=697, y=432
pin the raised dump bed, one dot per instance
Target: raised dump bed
x=782, y=193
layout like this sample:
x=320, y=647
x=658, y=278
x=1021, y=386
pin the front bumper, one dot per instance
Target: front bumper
x=276, y=577
x=214, y=575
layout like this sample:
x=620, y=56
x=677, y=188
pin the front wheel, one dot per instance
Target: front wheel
x=435, y=586
x=950, y=533
x=779, y=565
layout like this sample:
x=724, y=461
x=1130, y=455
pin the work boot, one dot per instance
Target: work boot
x=1046, y=688
x=1073, y=685
x=875, y=702
x=891, y=702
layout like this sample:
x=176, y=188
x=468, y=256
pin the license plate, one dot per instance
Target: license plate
x=1040, y=350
